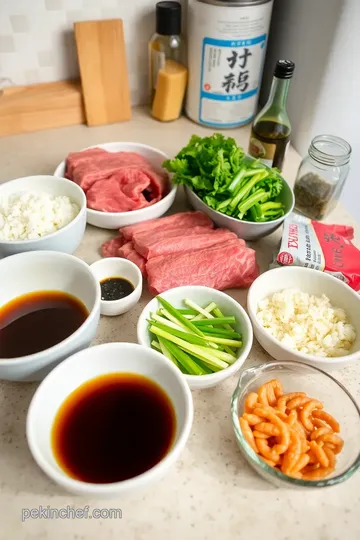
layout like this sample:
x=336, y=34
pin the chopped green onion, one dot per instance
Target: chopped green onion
x=187, y=311
x=203, y=352
x=165, y=321
x=191, y=338
x=156, y=345
x=221, y=332
x=210, y=363
x=230, y=351
x=172, y=318
x=205, y=312
x=173, y=311
x=166, y=352
x=214, y=322
x=184, y=359
x=198, y=340
x=224, y=341
x=209, y=309
x=203, y=364
x=218, y=313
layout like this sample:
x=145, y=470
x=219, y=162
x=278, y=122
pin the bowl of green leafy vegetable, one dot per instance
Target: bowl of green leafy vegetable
x=236, y=191
x=204, y=332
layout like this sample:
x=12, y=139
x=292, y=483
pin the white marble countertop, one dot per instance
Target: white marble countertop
x=211, y=492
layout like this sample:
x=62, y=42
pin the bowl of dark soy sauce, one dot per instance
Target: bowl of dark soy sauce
x=110, y=420
x=120, y=282
x=49, y=309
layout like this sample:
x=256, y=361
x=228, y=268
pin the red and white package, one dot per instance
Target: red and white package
x=322, y=247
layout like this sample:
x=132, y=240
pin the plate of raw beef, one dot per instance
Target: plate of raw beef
x=124, y=183
x=185, y=249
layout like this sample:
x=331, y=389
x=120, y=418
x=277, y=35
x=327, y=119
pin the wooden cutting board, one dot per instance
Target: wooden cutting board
x=40, y=106
x=104, y=78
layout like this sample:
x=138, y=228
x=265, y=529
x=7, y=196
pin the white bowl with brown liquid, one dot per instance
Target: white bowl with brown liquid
x=110, y=420
x=49, y=309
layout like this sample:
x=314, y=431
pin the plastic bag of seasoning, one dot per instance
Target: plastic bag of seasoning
x=322, y=247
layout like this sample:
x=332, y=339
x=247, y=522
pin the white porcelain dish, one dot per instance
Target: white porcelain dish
x=42, y=271
x=84, y=366
x=117, y=267
x=115, y=220
x=66, y=239
x=312, y=282
x=248, y=230
x=202, y=296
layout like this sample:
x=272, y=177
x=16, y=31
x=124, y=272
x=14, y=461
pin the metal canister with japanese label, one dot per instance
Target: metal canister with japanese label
x=226, y=51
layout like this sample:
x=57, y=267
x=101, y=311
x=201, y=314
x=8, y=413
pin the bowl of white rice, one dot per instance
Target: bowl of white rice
x=41, y=213
x=305, y=315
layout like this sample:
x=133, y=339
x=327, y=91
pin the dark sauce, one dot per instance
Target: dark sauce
x=37, y=321
x=115, y=288
x=273, y=133
x=112, y=428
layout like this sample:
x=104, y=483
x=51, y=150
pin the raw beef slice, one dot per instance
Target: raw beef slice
x=88, y=166
x=230, y=265
x=76, y=159
x=126, y=190
x=139, y=184
x=128, y=252
x=111, y=247
x=181, y=221
x=151, y=245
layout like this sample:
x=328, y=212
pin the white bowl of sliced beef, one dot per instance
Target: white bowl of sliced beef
x=124, y=183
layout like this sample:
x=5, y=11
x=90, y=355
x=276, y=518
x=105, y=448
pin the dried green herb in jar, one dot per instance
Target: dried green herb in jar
x=313, y=195
x=321, y=176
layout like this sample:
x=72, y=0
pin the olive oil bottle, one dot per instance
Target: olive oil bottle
x=271, y=130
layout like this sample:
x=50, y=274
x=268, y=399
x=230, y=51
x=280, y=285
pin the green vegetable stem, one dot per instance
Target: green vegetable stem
x=228, y=181
x=204, y=343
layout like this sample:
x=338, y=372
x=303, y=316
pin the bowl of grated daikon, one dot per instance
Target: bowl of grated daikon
x=307, y=316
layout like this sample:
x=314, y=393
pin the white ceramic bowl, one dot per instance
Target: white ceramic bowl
x=248, y=230
x=66, y=239
x=312, y=282
x=115, y=220
x=117, y=267
x=86, y=365
x=48, y=271
x=202, y=296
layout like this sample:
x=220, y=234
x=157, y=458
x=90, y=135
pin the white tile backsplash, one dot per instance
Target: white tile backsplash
x=37, y=42
x=19, y=23
x=7, y=44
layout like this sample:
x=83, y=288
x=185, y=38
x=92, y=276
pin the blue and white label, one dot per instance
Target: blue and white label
x=230, y=79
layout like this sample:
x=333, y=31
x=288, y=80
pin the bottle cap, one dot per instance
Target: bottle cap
x=168, y=18
x=284, y=69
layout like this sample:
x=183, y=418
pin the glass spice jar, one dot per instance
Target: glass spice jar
x=321, y=176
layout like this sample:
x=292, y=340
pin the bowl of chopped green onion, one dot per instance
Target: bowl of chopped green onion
x=204, y=332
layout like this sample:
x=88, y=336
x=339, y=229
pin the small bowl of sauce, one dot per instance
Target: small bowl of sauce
x=120, y=282
x=115, y=288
